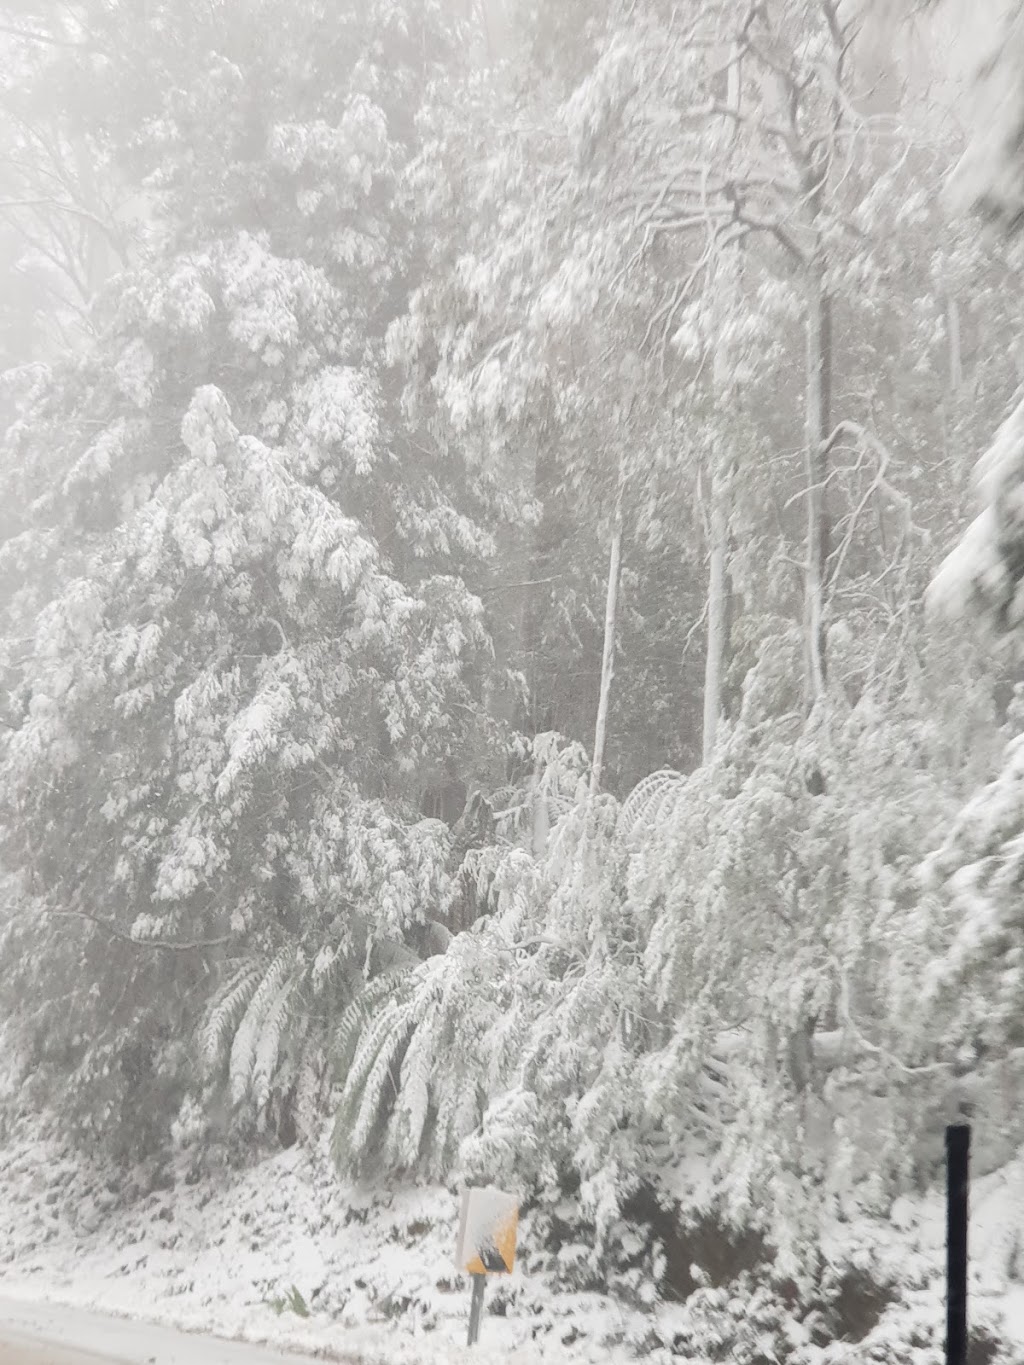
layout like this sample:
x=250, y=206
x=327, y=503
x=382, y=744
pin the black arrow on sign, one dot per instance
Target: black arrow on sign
x=491, y=1258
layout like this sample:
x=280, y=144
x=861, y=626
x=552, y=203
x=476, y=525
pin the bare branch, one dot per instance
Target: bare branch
x=116, y=932
x=9, y=205
x=878, y=484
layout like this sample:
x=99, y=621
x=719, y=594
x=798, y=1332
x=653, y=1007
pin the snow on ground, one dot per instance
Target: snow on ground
x=85, y=1338
x=376, y=1272
x=245, y=1255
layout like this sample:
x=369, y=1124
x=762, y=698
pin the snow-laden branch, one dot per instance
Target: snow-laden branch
x=865, y=1043
x=981, y=567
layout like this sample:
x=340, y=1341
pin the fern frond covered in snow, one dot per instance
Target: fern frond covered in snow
x=226, y=1011
x=264, y=1008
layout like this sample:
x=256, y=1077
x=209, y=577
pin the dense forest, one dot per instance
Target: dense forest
x=471, y=485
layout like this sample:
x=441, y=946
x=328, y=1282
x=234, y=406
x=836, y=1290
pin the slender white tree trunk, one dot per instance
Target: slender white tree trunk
x=719, y=515
x=819, y=361
x=727, y=285
x=540, y=818
x=718, y=593
x=611, y=613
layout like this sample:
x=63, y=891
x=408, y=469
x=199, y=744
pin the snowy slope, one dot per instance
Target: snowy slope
x=377, y=1272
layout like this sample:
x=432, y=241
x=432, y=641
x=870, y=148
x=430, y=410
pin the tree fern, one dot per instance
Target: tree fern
x=366, y=1092
x=247, y=1037
x=226, y=1012
x=369, y=1026
x=308, y=1085
x=413, y=1102
x=378, y=1085
x=649, y=800
x=361, y=1009
x=413, y=1047
x=268, y=1044
x=446, y=1141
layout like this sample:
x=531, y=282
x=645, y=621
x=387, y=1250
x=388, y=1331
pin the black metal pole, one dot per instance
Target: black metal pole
x=476, y=1308
x=958, y=1148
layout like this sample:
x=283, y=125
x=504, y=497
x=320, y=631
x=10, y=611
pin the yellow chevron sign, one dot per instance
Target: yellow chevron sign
x=487, y=1231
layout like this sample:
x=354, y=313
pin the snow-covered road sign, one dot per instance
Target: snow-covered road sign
x=487, y=1231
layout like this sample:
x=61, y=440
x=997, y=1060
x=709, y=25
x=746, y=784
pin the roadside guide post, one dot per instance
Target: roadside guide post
x=476, y=1308
x=958, y=1147
x=488, y=1223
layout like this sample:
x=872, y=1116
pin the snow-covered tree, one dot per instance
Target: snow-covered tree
x=239, y=641
x=424, y=412
x=714, y=969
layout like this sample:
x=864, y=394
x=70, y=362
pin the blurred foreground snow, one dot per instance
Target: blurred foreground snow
x=105, y=1338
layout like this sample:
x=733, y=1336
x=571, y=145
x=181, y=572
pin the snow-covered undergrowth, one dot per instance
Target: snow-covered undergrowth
x=282, y=1253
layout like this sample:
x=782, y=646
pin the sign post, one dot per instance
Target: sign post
x=958, y=1147
x=476, y=1308
x=487, y=1243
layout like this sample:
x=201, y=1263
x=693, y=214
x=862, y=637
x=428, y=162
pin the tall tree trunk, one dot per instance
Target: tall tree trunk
x=722, y=460
x=611, y=613
x=718, y=603
x=540, y=817
x=543, y=553
x=716, y=654
x=819, y=383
